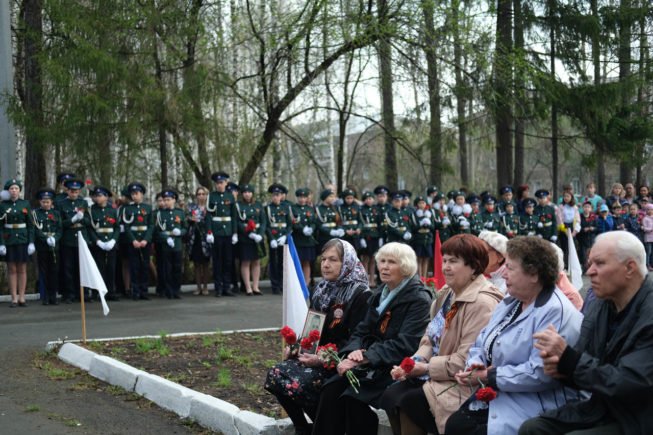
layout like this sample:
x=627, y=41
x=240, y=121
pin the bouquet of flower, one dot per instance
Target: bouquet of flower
x=295, y=344
x=330, y=359
x=251, y=226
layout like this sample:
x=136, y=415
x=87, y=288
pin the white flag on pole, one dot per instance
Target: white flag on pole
x=575, y=271
x=295, y=292
x=89, y=275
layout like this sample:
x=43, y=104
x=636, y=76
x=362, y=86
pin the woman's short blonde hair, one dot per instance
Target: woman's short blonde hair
x=402, y=253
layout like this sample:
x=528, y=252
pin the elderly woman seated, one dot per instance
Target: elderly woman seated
x=397, y=315
x=342, y=295
x=463, y=307
x=504, y=357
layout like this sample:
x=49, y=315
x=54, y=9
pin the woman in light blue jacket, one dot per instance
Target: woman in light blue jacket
x=503, y=356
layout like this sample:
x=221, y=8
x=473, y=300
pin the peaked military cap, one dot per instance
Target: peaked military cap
x=63, y=176
x=489, y=199
x=431, y=189
x=101, y=190
x=378, y=190
x=169, y=193
x=541, y=193
x=277, y=188
x=407, y=193
x=505, y=189
x=13, y=182
x=73, y=183
x=417, y=199
x=45, y=193
x=135, y=187
x=396, y=195
x=247, y=188
x=232, y=187
x=219, y=176
x=451, y=194
x=326, y=193
x=473, y=199
x=528, y=202
x=457, y=193
x=124, y=191
x=347, y=192
x=302, y=191
x=367, y=194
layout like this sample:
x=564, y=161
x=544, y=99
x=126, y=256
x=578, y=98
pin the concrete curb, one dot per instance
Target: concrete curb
x=208, y=411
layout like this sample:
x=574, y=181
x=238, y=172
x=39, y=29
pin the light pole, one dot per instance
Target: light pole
x=7, y=133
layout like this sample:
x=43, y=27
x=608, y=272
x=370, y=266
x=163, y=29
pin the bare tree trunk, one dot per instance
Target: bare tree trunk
x=625, y=58
x=644, y=71
x=387, y=109
x=520, y=94
x=33, y=100
x=433, y=79
x=460, y=91
x=554, y=108
x=502, y=86
x=596, y=60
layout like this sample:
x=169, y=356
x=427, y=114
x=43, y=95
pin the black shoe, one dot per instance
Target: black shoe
x=13, y=305
x=68, y=301
x=217, y=293
x=176, y=297
x=144, y=297
x=276, y=291
x=135, y=297
x=228, y=293
x=54, y=302
x=22, y=304
x=44, y=302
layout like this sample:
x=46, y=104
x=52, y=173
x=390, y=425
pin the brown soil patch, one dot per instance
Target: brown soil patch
x=231, y=367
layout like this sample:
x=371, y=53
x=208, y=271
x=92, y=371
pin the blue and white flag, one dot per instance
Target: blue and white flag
x=295, y=292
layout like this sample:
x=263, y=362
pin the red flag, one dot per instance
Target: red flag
x=437, y=262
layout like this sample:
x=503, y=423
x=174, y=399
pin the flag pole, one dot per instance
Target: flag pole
x=81, y=298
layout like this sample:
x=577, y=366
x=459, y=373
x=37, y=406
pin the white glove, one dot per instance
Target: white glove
x=419, y=213
x=176, y=232
x=530, y=233
x=50, y=241
x=31, y=249
x=407, y=235
x=210, y=239
x=464, y=223
x=427, y=214
x=77, y=217
x=234, y=239
x=110, y=244
x=341, y=232
x=363, y=244
x=258, y=238
x=540, y=225
x=100, y=244
x=170, y=242
x=281, y=241
x=3, y=250
x=273, y=244
x=381, y=243
x=308, y=231
x=252, y=236
x=554, y=238
x=539, y=235
x=334, y=233
x=489, y=224
x=446, y=221
x=425, y=222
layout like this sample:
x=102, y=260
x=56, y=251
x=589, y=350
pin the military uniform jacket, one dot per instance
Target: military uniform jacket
x=278, y=222
x=165, y=221
x=246, y=213
x=510, y=225
x=16, y=220
x=547, y=217
x=439, y=225
x=104, y=224
x=371, y=221
x=398, y=221
x=221, y=214
x=422, y=234
x=350, y=216
x=501, y=206
x=327, y=220
x=303, y=216
x=47, y=223
x=122, y=238
x=139, y=222
x=491, y=220
x=68, y=208
x=476, y=223
x=528, y=224
x=382, y=209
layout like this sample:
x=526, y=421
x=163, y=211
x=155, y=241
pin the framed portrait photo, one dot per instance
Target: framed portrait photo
x=314, y=320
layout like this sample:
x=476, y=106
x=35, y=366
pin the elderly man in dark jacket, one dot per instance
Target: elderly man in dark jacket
x=613, y=358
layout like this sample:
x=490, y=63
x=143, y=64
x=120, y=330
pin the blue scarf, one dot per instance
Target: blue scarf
x=388, y=295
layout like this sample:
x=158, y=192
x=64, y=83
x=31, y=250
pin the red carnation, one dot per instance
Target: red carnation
x=288, y=335
x=407, y=365
x=24, y=211
x=274, y=232
x=251, y=226
x=405, y=218
x=308, y=214
x=486, y=394
x=314, y=335
x=111, y=220
x=88, y=182
x=306, y=343
x=209, y=232
x=51, y=216
x=139, y=218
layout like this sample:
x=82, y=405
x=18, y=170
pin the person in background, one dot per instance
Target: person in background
x=170, y=228
x=588, y=222
x=616, y=194
x=523, y=193
x=547, y=227
x=629, y=193
x=303, y=231
x=617, y=217
x=495, y=244
x=139, y=228
x=370, y=235
x=251, y=228
x=591, y=196
x=350, y=217
x=199, y=249
x=647, y=227
x=47, y=233
x=604, y=222
x=567, y=215
x=643, y=193
x=103, y=235
x=157, y=243
x=277, y=228
x=633, y=221
x=123, y=245
x=528, y=221
x=563, y=282
x=422, y=242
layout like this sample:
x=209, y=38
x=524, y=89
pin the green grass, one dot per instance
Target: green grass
x=270, y=362
x=253, y=388
x=207, y=364
x=224, y=379
x=95, y=346
x=32, y=408
x=225, y=353
x=243, y=360
x=147, y=345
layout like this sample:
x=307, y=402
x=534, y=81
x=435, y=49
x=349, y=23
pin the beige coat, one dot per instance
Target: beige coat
x=478, y=301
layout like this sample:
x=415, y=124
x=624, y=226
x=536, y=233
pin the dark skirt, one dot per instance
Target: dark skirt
x=372, y=246
x=423, y=251
x=17, y=254
x=306, y=253
x=196, y=252
x=248, y=251
x=292, y=379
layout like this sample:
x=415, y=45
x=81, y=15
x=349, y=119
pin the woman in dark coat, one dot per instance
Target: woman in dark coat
x=199, y=250
x=342, y=295
x=395, y=321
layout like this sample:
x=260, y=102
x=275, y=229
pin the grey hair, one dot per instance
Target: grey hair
x=626, y=247
x=404, y=254
x=561, y=257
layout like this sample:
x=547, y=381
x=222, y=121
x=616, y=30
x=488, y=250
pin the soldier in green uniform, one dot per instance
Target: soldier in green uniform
x=431, y=192
x=75, y=221
x=475, y=220
x=103, y=234
x=123, y=244
x=382, y=208
x=398, y=220
x=63, y=192
x=371, y=224
x=460, y=214
x=17, y=239
x=222, y=233
x=158, y=243
x=350, y=216
x=328, y=219
x=47, y=233
x=251, y=228
x=169, y=228
x=406, y=196
x=489, y=216
x=303, y=231
x=509, y=221
x=529, y=220
x=442, y=222
x=506, y=198
x=547, y=226
x=422, y=227
x=277, y=227
x=139, y=226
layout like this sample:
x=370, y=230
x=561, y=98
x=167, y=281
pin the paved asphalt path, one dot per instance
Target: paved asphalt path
x=53, y=404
